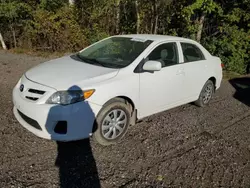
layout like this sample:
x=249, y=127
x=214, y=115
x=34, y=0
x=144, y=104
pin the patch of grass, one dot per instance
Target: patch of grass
x=19, y=50
x=227, y=75
x=45, y=54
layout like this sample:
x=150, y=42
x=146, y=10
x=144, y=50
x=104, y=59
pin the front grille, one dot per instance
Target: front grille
x=36, y=91
x=30, y=121
x=34, y=94
x=32, y=98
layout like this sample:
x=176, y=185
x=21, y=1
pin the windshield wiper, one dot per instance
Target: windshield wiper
x=91, y=60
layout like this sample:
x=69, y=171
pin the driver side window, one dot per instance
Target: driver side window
x=166, y=53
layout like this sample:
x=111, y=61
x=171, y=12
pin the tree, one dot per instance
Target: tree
x=138, y=21
x=118, y=12
x=2, y=42
x=13, y=16
x=198, y=11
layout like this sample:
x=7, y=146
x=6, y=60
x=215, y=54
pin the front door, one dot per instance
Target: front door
x=162, y=89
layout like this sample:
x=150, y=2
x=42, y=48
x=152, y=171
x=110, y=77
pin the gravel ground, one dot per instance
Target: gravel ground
x=183, y=147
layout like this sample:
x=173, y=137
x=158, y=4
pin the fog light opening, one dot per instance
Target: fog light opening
x=61, y=127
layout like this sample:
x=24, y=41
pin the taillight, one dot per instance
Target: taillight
x=222, y=65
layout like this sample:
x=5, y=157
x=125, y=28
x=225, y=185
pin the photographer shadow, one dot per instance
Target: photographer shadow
x=75, y=160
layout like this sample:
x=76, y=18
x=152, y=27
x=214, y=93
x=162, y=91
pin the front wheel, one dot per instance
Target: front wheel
x=206, y=94
x=112, y=123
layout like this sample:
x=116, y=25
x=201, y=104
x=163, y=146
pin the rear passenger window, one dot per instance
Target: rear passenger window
x=191, y=52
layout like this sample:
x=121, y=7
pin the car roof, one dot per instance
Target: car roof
x=155, y=37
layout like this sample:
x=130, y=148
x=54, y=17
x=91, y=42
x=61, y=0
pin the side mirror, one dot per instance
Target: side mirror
x=152, y=66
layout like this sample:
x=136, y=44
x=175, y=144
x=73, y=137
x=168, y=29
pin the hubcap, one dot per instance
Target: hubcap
x=114, y=124
x=207, y=95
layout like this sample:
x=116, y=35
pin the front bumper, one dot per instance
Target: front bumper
x=41, y=119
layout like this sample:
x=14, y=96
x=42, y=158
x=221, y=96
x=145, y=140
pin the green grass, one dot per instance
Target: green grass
x=227, y=75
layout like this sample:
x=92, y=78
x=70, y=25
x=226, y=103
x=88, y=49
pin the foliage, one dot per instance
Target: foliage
x=51, y=5
x=60, y=32
x=233, y=48
x=13, y=15
x=192, y=13
x=230, y=40
x=221, y=26
x=14, y=11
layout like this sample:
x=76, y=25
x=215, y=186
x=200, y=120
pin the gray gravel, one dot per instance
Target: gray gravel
x=183, y=147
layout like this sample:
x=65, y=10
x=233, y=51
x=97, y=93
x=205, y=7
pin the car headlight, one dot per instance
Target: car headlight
x=69, y=97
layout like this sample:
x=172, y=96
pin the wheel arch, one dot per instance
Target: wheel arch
x=128, y=101
x=121, y=98
x=213, y=79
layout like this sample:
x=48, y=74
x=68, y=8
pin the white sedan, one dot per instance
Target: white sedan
x=111, y=84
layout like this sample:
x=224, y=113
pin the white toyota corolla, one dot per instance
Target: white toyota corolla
x=111, y=84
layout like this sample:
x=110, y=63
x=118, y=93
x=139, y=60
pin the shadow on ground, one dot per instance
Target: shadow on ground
x=77, y=167
x=242, y=87
x=76, y=163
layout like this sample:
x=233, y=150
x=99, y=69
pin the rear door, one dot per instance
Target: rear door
x=196, y=68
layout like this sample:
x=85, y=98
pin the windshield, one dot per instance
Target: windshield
x=115, y=52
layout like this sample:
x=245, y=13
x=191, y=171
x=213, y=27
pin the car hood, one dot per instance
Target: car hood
x=67, y=71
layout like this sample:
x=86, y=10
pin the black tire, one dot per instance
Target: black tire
x=201, y=102
x=116, y=104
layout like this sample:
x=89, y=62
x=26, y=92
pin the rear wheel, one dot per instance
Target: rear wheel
x=206, y=94
x=112, y=123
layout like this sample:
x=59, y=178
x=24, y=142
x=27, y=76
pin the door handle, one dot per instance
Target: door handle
x=180, y=72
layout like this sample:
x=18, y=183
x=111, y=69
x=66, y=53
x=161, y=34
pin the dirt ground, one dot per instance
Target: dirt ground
x=183, y=147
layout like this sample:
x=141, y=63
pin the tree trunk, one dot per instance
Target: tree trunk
x=125, y=11
x=156, y=17
x=13, y=35
x=200, y=27
x=156, y=24
x=71, y=2
x=138, y=22
x=118, y=12
x=152, y=20
x=2, y=41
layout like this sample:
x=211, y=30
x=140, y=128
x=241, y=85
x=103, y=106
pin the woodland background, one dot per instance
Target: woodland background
x=222, y=26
